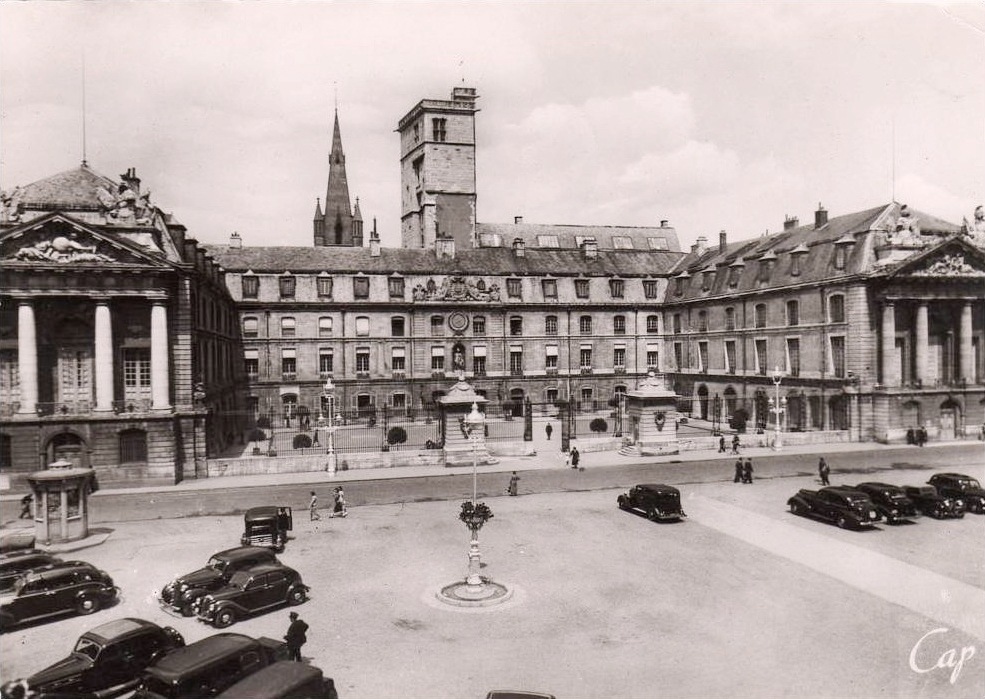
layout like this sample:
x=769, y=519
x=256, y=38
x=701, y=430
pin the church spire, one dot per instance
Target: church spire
x=336, y=225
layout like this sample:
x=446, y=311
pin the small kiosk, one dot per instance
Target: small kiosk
x=459, y=443
x=652, y=412
x=61, y=502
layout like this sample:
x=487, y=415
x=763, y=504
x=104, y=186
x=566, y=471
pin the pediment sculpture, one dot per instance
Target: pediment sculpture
x=61, y=249
x=10, y=203
x=974, y=231
x=456, y=289
x=125, y=206
x=949, y=266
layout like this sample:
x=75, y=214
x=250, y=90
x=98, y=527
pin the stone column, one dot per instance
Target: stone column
x=966, y=352
x=104, y=357
x=922, y=332
x=159, y=375
x=890, y=360
x=27, y=357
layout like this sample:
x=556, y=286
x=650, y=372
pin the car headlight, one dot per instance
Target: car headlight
x=959, y=503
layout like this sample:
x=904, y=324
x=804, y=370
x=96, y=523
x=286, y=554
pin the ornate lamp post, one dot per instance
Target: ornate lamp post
x=475, y=514
x=329, y=424
x=778, y=407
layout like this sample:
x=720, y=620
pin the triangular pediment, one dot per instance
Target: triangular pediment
x=955, y=258
x=63, y=241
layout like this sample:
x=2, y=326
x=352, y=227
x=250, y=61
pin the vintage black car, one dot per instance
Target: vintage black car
x=108, y=659
x=267, y=526
x=961, y=487
x=284, y=680
x=890, y=500
x=59, y=588
x=15, y=563
x=181, y=593
x=846, y=507
x=933, y=504
x=207, y=667
x=252, y=591
x=655, y=500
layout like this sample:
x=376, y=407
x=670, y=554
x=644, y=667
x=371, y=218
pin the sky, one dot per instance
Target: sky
x=713, y=116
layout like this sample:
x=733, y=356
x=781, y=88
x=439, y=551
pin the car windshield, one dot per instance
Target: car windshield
x=857, y=499
x=88, y=648
x=218, y=564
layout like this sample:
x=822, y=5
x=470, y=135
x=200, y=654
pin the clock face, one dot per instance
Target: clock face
x=458, y=321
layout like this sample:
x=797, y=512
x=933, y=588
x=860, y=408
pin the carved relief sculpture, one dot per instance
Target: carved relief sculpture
x=456, y=289
x=975, y=230
x=950, y=266
x=60, y=249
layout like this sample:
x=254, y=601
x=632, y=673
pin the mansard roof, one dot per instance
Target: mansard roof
x=76, y=189
x=481, y=261
x=568, y=236
x=859, y=232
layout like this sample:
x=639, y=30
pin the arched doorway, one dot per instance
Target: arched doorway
x=796, y=412
x=703, y=401
x=731, y=403
x=761, y=406
x=950, y=417
x=68, y=446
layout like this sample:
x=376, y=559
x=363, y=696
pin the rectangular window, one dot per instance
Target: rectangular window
x=762, y=361
x=397, y=360
x=585, y=357
x=549, y=287
x=288, y=327
x=653, y=324
x=550, y=325
x=399, y=401
x=439, y=127
x=793, y=313
x=838, y=356
x=550, y=358
x=251, y=360
x=730, y=365
x=836, y=309
x=360, y=287
x=734, y=275
x=516, y=326
x=703, y=356
x=551, y=395
x=136, y=368
x=479, y=325
x=437, y=359
x=437, y=326
x=730, y=318
x=619, y=358
x=324, y=287
x=585, y=325
x=325, y=326
x=250, y=327
x=516, y=362
x=288, y=364
x=676, y=321
x=514, y=288
x=622, y=242
x=395, y=286
x=651, y=288
x=287, y=287
x=362, y=361
x=479, y=365
x=652, y=359
x=617, y=288
x=760, y=315
x=326, y=361
x=251, y=287
x=581, y=288
x=619, y=325
x=362, y=326
x=793, y=356
x=397, y=327
x=678, y=356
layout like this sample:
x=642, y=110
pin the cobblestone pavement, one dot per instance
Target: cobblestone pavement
x=741, y=599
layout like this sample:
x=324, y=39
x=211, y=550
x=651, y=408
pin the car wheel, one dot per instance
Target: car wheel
x=87, y=604
x=651, y=515
x=795, y=508
x=842, y=522
x=296, y=596
x=224, y=618
x=960, y=515
x=187, y=609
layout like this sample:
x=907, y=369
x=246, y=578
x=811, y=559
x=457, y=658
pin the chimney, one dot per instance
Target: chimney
x=374, y=241
x=820, y=217
x=790, y=222
x=722, y=242
x=444, y=247
x=700, y=245
x=235, y=241
x=663, y=223
x=518, y=220
x=131, y=180
x=519, y=247
x=591, y=249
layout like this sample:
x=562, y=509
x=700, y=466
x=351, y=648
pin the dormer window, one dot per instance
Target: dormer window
x=797, y=256
x=287, y=287
x=680, y=283
x=735, y=273
x=616, y=288
x=581, y=288
x=842, y=246
x=707, y=279
x=766, y=263
x=251, y=286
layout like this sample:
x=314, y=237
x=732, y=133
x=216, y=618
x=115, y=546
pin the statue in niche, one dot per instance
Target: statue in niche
x=10, y=202
x=974, y=231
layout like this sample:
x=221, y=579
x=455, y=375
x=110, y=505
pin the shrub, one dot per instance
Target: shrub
x=258, y=435
x=302, y=441
x=264, y=422
x=598, y=425
x=396, y=435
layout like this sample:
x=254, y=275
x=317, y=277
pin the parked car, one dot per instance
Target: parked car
x=284, y=680
x=517, y=694
x=108, y=659
x=933, y=504
x=251, y=592
x=15, y=563
x=267, y=526
x=60, y=588
x=181, y=593
x=890, y=500
x=207, y=667
x=961, y=487
x=655, y=500
x=846, y=507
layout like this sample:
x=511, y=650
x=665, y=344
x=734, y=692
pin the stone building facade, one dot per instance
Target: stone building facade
x=119, y=344
x=874, y=323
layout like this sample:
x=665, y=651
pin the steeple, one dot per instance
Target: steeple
x=357, y=226
x=336, y=223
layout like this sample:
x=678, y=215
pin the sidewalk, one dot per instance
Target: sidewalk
x=551, y=460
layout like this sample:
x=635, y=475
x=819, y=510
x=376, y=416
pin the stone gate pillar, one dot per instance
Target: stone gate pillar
x=652, y=412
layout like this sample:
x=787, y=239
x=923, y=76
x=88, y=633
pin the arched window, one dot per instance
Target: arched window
x=133, y=446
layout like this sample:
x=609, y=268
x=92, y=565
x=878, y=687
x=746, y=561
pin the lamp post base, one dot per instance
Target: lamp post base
x=485, y=594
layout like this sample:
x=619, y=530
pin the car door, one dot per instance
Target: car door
x=113, y=665
x=253, y=592
x=277, y=586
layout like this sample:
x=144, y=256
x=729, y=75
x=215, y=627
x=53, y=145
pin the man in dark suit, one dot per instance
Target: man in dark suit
x=295, y=636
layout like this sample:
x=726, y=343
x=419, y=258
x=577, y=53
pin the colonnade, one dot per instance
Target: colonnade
x=104, y=371
x=892, y=372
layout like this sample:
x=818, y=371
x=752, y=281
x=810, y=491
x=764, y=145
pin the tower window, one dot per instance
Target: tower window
x=439, y=126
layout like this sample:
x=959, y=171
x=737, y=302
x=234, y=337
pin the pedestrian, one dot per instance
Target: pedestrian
x=738, y=471
x=823, y=471
x=313, y=507
x=514, y=481
x=314, y=442
x=548, y=430
x=921, y=436
x=735, y=443
x=747, y=471
x=575, y=457
x=26, y=507
x=721, y=444
x=340, y=507
x=567, y=459
x=296, y=636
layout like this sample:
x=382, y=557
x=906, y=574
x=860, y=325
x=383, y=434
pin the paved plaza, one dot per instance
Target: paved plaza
x=741, y=599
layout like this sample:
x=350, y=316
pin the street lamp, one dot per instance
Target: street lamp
x=778, y=407
x=475, y=424
x=328, y=400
